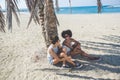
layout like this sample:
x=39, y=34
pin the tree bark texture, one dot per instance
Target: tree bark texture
x=50, y=23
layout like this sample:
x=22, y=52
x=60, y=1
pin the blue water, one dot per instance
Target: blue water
x=88, y=10
x=84, y=10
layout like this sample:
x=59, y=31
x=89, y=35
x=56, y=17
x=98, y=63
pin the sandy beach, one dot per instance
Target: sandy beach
x=99, y=35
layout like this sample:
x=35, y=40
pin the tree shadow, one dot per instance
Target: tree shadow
x=106, y=64
x=99, y=46
x=81, y=77
x=65, y=72
x=109, y=62
x=112, y=38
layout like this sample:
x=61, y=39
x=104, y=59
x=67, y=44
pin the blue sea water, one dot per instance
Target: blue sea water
x=84, y=10
x=88, y=10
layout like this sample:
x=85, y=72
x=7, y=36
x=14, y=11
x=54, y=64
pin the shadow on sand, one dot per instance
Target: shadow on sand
x=82, y=77
x=68, y=73
x=112, y=58
x=111, y=38
x=109, y=62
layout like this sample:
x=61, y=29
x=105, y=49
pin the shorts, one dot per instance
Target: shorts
x=50, y=59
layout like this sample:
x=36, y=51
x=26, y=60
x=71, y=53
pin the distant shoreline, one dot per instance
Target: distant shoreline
x=82, y=9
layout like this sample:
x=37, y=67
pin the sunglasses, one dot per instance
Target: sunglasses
x=66, y=36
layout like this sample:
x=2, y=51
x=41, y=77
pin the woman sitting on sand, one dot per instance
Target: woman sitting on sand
x=55, y=54
x=73, y=47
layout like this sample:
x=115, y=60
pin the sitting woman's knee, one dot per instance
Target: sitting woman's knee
x=64, y=50
x=62, y=54
x=55, y=61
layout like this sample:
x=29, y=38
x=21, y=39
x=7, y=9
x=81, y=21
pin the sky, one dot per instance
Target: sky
x=65, y=3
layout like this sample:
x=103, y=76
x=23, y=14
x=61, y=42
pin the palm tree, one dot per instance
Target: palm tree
x=2, y=21
x=99, y=4
x=42, y=12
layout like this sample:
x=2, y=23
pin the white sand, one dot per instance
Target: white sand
x=99, y=35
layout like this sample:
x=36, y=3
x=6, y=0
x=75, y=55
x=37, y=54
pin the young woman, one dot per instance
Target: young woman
x=73, y=47
x=56, y=55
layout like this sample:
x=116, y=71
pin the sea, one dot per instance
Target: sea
x=88, y=10
x=84, y=10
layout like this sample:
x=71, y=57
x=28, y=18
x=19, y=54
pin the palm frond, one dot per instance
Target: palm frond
x=2, y=21
x=29, y=4
x=55, y=14
x=57, y=5
x=12, y=8
x=35, y=7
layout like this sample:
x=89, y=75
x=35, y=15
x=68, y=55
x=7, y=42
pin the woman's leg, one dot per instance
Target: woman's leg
x=78, y=50
x=55, y=61
x=68, y=59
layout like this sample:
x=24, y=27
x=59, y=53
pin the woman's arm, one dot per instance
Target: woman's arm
x=53, y=54
x=77, y=42
x=67, y=44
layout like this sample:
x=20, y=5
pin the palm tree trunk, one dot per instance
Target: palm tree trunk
x=50, y=23
x=43, y=12
x=9, y=15
x=2, y=21
x=99, y=4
